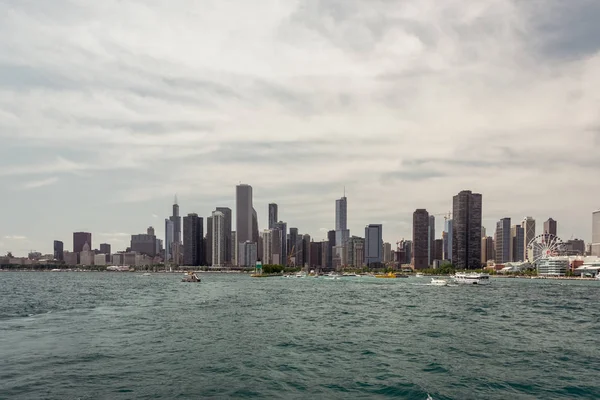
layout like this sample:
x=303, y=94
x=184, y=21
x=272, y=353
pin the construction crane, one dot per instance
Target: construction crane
x=292, y=256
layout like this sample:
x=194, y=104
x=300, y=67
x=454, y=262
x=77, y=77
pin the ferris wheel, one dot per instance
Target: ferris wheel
x=544, y=246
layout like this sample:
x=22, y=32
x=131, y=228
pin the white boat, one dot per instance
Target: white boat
x=333, y=275
x=190, y=277
x=147, y=274
x=419, y=275
x=472, y=278
x=438, y=282
x=300, y=275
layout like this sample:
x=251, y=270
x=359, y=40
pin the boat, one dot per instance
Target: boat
x=333, y=275
x=300, y=275
x=147, y=274
x=472, y=278
x=438, y=282
x=190, y=277
x=389, y=275
x=419, y=275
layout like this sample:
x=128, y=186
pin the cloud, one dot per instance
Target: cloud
x=40, y=183
x=15, y=237
x=404, y=103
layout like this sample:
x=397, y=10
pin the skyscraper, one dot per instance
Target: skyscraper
x=227, y=223
x=373, y=244
x=387, y=252
x=596, y=233
x=219, y=239
x=330, y=246
x=267, y=254
x=193, y=240
x=503, y=241
x=550, y=227
x=517, y=237
x=528, y=225
x=292, y=244
x=80, y=239
x=273, y=215
x=234, y=248
x=169, y=239
x=275, y=252
x=208, y=242
x=283, y=251
x=487, y=249
x=342, y=234
x=248, y=253
x=431, y=244
x=176, y=219
x=59, y=250
x=448, y=240
x=244, y=213
x=466, y=230
x=420, y=252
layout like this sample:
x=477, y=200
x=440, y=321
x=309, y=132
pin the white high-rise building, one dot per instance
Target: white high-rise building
x=248, y=255
x=219, y=239
x=596, y=233
x=528, y=225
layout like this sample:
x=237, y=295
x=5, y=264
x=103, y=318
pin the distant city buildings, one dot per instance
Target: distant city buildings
x=431, y=242
x=448, y=239
x=373, y=244
x=342, y=234
x=387, y=252
x=227, y=215
x=248, y=253
x=420, y=250
x=219, y=239
x=550, y=227
x=487, y=249
x=466, y=230
x=528, y=225
x=246, y=219
x=517, y=234
x=208, y=242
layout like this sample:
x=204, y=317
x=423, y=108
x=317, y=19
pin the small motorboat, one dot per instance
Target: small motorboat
x=438, y=282
x=190, y=277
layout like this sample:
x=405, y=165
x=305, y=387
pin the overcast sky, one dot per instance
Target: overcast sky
x=108, y=108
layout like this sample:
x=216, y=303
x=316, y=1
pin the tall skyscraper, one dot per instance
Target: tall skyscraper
x=169, y=239
x=330, y=247
x=273, y=215
x=283, y=252
x=208, y=242
x=255, y=235
x=466, y=230
x=227, y=223
x=234, y=248
x=176, y=219
x=528, y=225
x=373, y=244
x=244, y=213
x=193, y=240
x=219, y=239
x=448, y=239
x=420, y=249
x=275, y=253
x=267, y=254
x=342, y=234
x=292, y=243
x=80, y=239
x=550, y=227
x=503, y=241
x=431, y=244
x=59, y=250
x=248, y=253
x=387, y=252
x=595, y=247
x=517, y=237
x=104, y=248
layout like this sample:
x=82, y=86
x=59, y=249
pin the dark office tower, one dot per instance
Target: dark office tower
x=59, y=250
x=282, y=227
x=80, y=239
x=420, y=254
x=208, y=242
x=293, y=245
x=330, y=246
x=305, y=249
x=255, y=234
x=104, y=248
x=227, y=226
x=503, y=241
x=176, y=223
x=517, y=237
x=315, y=254
x=273, y=217
x=466, y=230
x=193, y=243
x=550, y=227
x=431, y=247
x=439, y=249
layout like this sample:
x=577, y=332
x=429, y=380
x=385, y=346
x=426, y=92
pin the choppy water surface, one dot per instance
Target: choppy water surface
x=125, y=336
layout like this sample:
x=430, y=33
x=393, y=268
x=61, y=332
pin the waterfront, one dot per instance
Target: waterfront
x=110, y=335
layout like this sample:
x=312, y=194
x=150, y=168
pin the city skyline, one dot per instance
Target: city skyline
x=416, y=103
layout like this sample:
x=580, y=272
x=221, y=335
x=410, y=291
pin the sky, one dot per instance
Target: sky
x=110, y=108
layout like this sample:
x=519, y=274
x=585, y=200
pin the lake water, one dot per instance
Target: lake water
x=128, y=336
